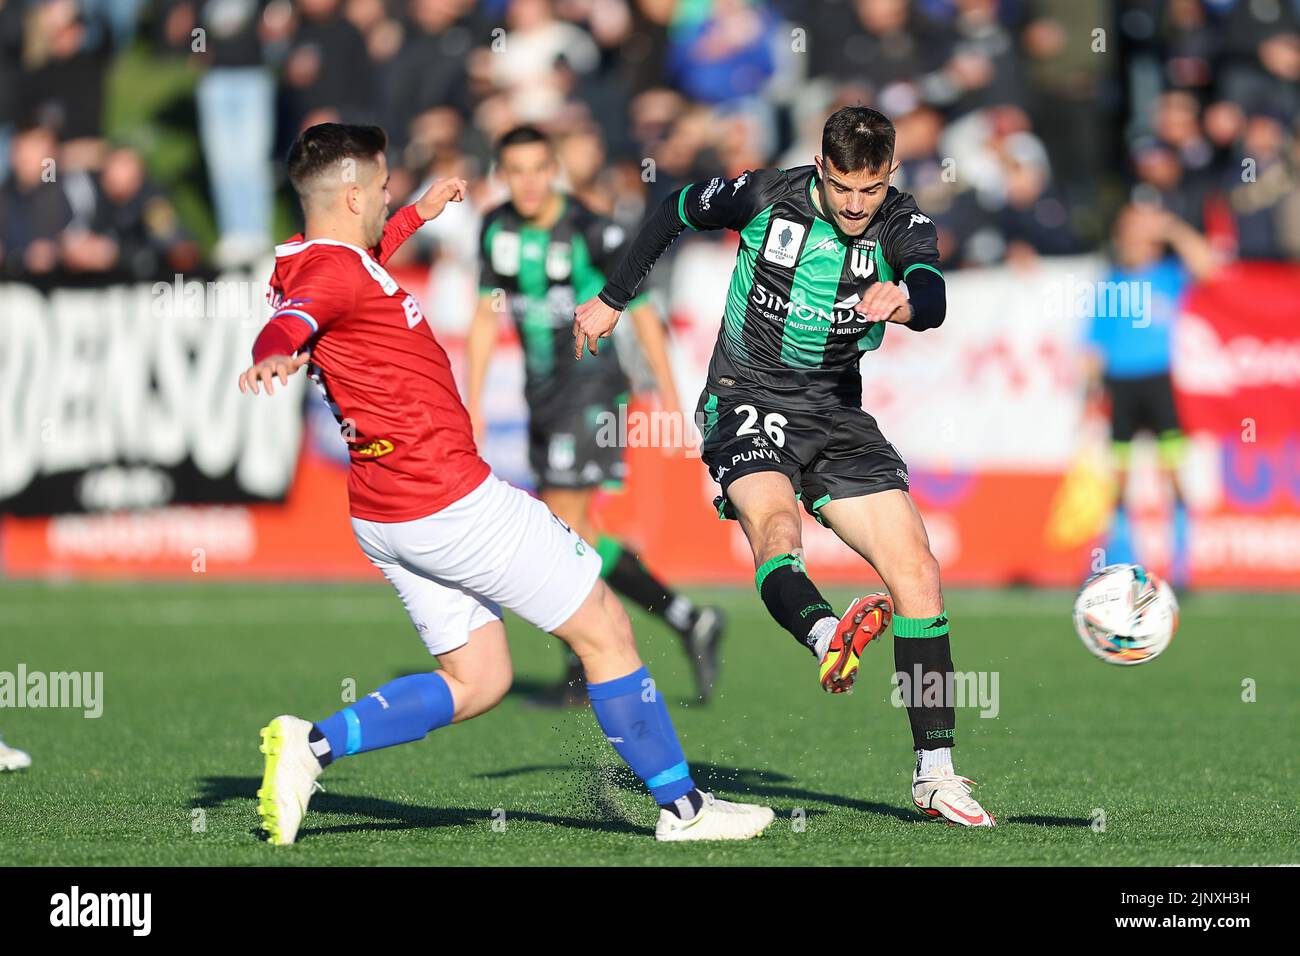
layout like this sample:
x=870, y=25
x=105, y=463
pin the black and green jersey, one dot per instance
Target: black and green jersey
x=789, y=328
x=543, y=274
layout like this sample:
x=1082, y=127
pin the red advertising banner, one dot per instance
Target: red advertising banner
x=1237, y=356
x=1237, y=385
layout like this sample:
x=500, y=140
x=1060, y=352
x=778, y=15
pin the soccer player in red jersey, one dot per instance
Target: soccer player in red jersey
x=457, y=543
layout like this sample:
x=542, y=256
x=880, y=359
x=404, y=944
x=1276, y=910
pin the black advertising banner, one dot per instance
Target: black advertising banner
x=125, y=397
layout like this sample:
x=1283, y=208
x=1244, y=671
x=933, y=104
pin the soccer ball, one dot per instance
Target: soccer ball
x=1125, y=614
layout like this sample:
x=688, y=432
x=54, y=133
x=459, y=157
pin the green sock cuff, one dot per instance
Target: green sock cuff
x=921, y=626
x=609, y=549
x=770, y=565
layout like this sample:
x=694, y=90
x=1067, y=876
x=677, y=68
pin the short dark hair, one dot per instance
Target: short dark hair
x=520, y=136
x=319, y=147
x=856, y=138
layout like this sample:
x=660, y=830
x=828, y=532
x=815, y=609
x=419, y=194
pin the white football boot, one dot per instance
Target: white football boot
x=717, y=820
x=942, y=793
x=289, y=780
x=11, y=758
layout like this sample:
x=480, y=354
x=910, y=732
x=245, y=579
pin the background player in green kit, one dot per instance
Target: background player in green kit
x=542, y=251
x=823, y=250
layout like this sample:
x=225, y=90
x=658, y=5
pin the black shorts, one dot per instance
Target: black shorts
x=1141, y=404
x=574, y=446
x=835, y=453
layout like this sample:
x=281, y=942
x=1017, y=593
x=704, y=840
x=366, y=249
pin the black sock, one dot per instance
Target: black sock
x=685, y=808
x=791, y=598
x=923, y=664
x=320, y=746
x=629, y=577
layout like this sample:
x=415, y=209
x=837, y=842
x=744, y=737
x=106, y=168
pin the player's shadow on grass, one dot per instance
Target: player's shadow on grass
x=530, y=687
x=744, y=783
x=401, y=816
x=390, y=815
x=535, y=693
x=1041, y=821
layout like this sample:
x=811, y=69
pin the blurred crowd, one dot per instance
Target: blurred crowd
x=1022, y=124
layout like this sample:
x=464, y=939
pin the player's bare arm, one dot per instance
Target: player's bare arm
x=654, y=344
x=1196, y=252
x=478, y=347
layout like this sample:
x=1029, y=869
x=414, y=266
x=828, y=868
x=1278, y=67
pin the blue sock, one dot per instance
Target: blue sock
x=1119, y=543
x=401, y=711
x=632, y=714
x=1178, y=567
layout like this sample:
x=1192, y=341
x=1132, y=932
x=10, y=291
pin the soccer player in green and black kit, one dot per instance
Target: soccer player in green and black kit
x=824, y=253
x=541, y=252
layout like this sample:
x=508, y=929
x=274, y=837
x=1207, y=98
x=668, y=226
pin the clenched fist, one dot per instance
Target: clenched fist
x=885, y=302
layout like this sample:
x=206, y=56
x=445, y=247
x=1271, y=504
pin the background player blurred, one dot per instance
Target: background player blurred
x=1129, y=341
x=542, y=251
x=822, y=249
x=456, y=542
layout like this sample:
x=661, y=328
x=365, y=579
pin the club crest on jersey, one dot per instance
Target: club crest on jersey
x=558, y=261
x=784, y=239
x=377, y=448
x=861, y=263
x=505, y=253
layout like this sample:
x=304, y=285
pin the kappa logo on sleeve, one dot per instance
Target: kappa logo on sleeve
x=711, y=190
x=917, y=217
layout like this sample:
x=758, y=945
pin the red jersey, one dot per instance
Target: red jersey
x=383, y=373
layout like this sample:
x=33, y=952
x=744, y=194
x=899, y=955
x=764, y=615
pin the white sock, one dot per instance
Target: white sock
x=679, y=613
x=821, y=635
x=930, y=760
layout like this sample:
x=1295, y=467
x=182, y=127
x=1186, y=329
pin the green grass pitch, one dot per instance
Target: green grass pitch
x=1184, y=769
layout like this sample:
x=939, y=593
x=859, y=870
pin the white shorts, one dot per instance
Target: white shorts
x=496, y=547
